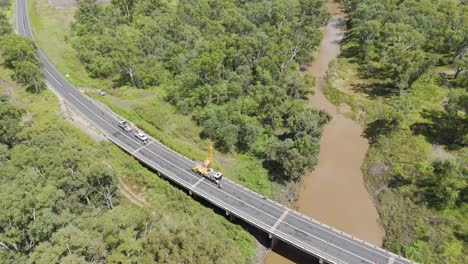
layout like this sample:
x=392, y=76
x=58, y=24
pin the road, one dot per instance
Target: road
x=313, y=237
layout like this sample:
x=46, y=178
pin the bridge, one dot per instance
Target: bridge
x=281, y=223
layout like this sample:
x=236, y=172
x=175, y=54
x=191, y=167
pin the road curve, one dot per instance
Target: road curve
x=309, y=235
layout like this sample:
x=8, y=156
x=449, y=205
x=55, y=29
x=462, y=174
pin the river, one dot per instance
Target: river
x=334, y=193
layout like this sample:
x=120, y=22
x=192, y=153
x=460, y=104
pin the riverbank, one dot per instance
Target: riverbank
x=417, y=164
x=335, y=192
x=338, y=177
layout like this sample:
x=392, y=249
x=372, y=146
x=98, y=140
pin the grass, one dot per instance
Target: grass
x=398, y=157
x=152, y=114
x=44, y=111
x=362, y=109
x=51, y=28
x=51, y=25
x=426, y=94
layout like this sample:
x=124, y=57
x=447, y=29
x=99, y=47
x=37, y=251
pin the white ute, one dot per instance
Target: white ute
x=141, y=136
x=101, y=92
x=125, y=126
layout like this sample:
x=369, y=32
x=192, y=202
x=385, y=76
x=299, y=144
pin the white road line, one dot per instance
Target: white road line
x=142, y=147
x=315, y=224
x=351, y=253
x=174, y=165
x=280, y=219
x=195, y=184
x=359, y=242
x=229, y=195
x=379, y=252
x=180, y=179
x=52, y=77
x=234, y=185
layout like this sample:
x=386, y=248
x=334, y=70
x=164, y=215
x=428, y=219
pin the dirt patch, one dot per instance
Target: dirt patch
x=9, y=89
x=133, y=196
x=440, y=153
x=69, y=114
x=64, y=4
x=345, y=109
x=70, y=4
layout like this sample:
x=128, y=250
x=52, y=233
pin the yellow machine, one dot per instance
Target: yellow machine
x=206, y=168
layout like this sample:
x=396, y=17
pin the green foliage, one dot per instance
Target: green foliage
x=10, y=122
x=19, y=54
x=16, y=48
x=60, y=202
x=29, y=74
x=5, y=27
x=398, y=40
x=233, y=64
x=413, y=193
x=416, y=166
x=446, y=183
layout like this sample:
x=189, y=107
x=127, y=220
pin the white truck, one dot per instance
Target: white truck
x=215, y=176
x=141, y=136
x=125, y=126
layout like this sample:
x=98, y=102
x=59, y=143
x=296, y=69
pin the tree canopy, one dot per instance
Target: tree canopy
x=411, y=56
x=19, y=54
x=401, y=40
x=233, y=65
x=60, y=203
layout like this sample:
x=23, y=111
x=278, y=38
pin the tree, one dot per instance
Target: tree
x=5, y=27
x=219, y=126
x=88, y=18
x=404, y=67
x=309, y=121
x=101, y=184
x=29, y=74
x=288, y=158
x=248, y=134
x=461, y=63
x=126, y=8
x=368, y=34
x=125, y=54
x=71, y=245
x=19, y=53
x=448, y=182
x=16, y=48
x=10, y=122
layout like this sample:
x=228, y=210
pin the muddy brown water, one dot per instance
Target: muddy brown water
x=334, y=193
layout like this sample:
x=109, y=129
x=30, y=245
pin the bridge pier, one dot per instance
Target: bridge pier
x=321, y=261
x=160, y=175
x=232, y=217
x=274, y=241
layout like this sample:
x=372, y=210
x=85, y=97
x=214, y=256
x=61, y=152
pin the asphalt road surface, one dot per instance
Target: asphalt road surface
x=285, y=224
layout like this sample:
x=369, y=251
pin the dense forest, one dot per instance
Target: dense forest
x=234, y=66
x=410, y=59
x=59, y=203
x=19, y=54
x=59, y=190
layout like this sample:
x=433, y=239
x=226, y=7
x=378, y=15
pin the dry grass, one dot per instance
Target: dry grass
x=51, y=28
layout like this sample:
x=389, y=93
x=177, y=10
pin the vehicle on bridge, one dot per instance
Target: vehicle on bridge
x=125, y=126
x=206, y=168
x=141, y=136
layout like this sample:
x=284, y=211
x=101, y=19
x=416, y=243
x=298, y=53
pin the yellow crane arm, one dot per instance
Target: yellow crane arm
x=208, y=163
